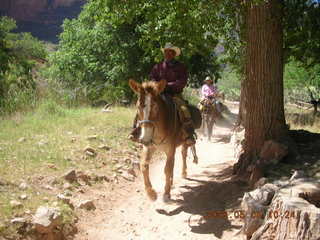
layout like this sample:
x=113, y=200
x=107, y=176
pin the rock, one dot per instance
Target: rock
x=136, y=164
x=98, y=178
x=65, y=200
x=67, y=193
x=129, y=177
x=16, y=204
x=70, y=176
x=83, y=176
x=81, y=190
x=2, y=182
x=92, y=137
x=43, y=142
x=23, y=197
x=104, y=147
x=67, y=186
x=90, y=151
x=23, y=186
x=46, y=219
x=132, y=172
x=87, y=204
x=281, y=183
x=48, y=187
x=19, y=220
x=22, y=139
x=52, y=166
x=260, y=183
x=69, y=159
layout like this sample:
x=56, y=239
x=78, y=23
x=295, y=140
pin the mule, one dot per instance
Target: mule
x=160, y=129
x=209, y=115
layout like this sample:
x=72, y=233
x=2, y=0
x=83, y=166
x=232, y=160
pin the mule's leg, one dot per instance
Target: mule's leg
x=210, y=126
x=184, y=152
x=144, y=166
x=194, y=153
x=168, y=170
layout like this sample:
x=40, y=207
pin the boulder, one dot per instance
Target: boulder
x=70, y=176
x=46, y=219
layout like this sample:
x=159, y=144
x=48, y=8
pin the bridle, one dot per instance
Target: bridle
x=140, y=122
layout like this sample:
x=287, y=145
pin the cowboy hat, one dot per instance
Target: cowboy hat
x=208, y=78
x=174, y=48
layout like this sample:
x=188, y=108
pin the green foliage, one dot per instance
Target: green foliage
x=300, y=81
x=191, y=95
x=18, y=55
x=302, y=31
x=230, y=84
x=113, y=41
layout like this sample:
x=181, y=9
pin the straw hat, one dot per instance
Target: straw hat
x=174, y=48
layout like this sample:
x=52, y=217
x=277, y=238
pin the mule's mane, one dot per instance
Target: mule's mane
x=149, y=87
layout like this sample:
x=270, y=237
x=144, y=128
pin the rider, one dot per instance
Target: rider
x=176, y=75
x=210, y=91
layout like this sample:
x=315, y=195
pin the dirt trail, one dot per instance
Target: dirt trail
x=127, y=214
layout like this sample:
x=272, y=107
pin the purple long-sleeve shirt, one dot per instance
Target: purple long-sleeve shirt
x=174, y=72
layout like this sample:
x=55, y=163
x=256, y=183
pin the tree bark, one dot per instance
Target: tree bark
x=290, y=216
x=263, y=87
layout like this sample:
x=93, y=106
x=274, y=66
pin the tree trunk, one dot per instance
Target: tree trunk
x=242, y=111
x=263, y=87
x=290, y=216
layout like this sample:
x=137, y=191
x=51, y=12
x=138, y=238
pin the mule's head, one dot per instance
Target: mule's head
x=148, y=107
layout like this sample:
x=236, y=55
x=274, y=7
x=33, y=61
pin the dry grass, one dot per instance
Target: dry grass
x=300, y=118
x=37, y=148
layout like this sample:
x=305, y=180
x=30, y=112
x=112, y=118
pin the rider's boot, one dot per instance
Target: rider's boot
x=190, y=134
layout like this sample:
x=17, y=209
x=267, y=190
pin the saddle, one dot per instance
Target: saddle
x=208, y=106
x=173, y=111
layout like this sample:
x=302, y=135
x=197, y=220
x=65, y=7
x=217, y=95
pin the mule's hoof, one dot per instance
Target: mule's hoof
x=152, y=194
x=184, y=175
x=195, y=160
x=166, y=198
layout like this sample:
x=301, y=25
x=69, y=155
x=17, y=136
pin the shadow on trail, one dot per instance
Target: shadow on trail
x=204, y=201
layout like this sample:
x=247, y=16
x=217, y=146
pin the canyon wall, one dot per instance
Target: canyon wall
x=28, y=10
x=43, y=18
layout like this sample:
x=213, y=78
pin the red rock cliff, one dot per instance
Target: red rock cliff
x=28, y=10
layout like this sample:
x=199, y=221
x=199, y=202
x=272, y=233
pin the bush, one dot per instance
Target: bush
x=18, y=100
x=50, y=107
x=191, y=95
x=230, y=85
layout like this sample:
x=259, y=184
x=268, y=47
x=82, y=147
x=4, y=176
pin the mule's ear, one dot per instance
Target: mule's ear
x=161, y=86
x=135, y=86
